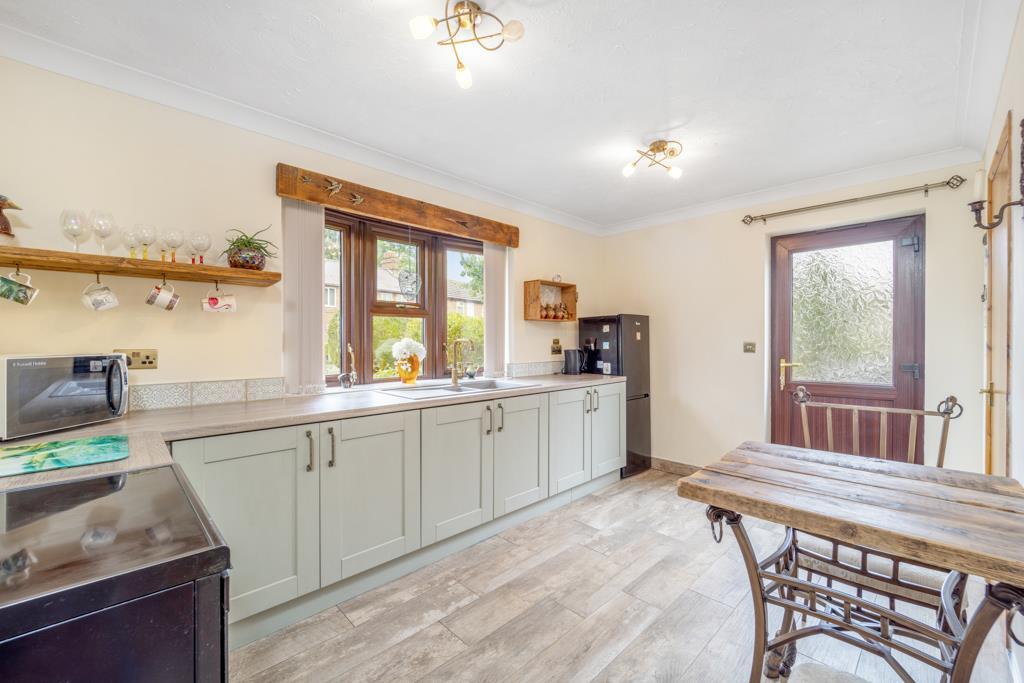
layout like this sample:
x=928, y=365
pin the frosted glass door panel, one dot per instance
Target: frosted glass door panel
x=843, y=314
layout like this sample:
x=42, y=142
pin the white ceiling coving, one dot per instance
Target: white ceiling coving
x=768, y=98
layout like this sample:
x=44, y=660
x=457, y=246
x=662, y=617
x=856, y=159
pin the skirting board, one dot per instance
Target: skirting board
x=263, y=624
x=673, y=467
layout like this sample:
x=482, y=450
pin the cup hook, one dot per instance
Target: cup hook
x=17, y=269
x=216, y=285
x=165, y=278
x=98, y=279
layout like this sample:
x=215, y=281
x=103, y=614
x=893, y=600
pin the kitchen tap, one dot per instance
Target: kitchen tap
x=350, y=378
x=457, y=357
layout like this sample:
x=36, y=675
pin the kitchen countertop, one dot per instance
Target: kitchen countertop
x=150, y=430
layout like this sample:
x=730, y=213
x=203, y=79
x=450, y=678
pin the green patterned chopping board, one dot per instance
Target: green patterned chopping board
x=55, y=455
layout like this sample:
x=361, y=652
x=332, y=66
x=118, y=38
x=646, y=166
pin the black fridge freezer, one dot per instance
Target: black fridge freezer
x=620, y=345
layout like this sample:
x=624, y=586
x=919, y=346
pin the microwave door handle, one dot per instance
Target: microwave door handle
x=116, y=409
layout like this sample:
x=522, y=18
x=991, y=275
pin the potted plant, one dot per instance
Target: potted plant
x=408, y=354
x=249, y=251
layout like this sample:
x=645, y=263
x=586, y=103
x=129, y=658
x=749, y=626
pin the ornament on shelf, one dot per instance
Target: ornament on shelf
x=5, y=223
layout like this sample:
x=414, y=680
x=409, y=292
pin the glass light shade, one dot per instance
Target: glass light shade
x=422, y=27
x=629, y=169
x=513, y=30
x=464, y=78
x=675, y=173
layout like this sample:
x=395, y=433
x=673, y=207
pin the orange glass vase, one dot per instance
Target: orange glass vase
x=409, y=369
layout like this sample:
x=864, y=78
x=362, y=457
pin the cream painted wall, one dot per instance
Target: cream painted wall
x=69, y=144
x=1011, y=98
x=705, y=286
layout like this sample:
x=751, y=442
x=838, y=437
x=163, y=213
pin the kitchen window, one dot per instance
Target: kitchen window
x=392, y=282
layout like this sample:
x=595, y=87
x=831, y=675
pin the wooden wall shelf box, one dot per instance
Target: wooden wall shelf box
x=90, y=264
x=537, y=292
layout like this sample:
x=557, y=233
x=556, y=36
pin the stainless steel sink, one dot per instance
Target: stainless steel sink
x=471, y=386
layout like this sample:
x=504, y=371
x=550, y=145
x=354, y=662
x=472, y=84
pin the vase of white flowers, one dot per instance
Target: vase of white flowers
x=408, y=354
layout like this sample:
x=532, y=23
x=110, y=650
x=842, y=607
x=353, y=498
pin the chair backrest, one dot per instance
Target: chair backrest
x=948, y=409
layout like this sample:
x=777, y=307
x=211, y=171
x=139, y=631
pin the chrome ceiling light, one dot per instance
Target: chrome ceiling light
x=658, y=153
x=467, y=16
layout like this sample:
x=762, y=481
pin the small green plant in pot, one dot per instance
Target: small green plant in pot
x=249, y=251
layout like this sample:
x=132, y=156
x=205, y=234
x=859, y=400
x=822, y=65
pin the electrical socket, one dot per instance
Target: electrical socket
x=140, y=359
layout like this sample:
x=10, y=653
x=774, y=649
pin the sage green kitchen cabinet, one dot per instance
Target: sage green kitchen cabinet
x=262, y=490
x=520, y=452
x=607, y=428
x=369, y=492
x=569, y=439
x=457, y=460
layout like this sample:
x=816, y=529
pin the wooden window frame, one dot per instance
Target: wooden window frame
x=358, y=298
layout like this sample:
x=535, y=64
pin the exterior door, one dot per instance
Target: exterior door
x=848, y=324
x=998, y=300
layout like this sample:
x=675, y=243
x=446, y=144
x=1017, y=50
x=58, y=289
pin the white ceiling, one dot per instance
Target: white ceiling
x=762, y=95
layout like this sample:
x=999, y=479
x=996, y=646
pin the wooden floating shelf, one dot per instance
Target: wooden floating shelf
x=538, y=292
x=72, y=262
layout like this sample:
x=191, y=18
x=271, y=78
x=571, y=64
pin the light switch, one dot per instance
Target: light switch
x=749, y=347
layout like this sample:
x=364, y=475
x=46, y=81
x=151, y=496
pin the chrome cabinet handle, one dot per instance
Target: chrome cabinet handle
x=331, y=462
x=597, y=400
x=587, y=402
x=490, y=420
x=501, y=414
x=309, y=465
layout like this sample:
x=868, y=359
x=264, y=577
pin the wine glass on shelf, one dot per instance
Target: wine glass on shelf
x=147, y=237
x=130, y=240
x=172, y=239
x=201, y=244
x=75, y=226
x=103, y=227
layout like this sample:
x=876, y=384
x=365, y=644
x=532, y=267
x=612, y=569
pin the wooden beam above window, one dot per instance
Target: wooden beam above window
x=309, y=186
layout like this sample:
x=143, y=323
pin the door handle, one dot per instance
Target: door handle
x=331, y=462
x=490, y=420
x=501, y=414
x=587, y=402
x=597, y=400
x=991, y=391
x=782, y=371
x=309, y=465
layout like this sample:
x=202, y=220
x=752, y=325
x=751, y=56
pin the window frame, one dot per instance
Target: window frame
x=358, y=297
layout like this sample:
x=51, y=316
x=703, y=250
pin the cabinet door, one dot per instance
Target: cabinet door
x=262, y=491
x=608, y=428
x=458, y=469
x=370, y=495
x=520, y=452
x=569, y=439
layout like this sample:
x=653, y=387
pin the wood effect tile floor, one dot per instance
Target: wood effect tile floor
x=623, y=585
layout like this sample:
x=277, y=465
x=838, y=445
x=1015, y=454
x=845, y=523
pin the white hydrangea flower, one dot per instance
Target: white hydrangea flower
x=408, y=347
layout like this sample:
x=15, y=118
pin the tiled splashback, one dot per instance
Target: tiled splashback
x=185, y=394
x=528, y=369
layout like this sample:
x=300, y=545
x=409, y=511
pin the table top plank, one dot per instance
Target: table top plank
x=945, y=492
x=966, y=480
x=981, y=537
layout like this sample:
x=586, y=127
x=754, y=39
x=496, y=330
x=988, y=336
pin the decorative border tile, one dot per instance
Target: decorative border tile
x=153, y=396
x=208, y=393
x=264, y=388
x=536, y=368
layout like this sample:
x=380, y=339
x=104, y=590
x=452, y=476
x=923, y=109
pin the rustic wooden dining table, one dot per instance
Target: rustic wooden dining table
x=887, y=522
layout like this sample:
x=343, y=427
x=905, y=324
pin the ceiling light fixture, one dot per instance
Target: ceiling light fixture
x=467, y=16
x=657, y=154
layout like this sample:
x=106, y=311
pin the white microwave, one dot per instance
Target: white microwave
x=48, y=393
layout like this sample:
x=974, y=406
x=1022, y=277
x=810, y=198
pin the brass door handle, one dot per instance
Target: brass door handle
x=782, y=371
x=312, y=451
x=991, y=391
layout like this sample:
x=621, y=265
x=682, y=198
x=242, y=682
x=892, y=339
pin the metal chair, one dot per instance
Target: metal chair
x=863, y=570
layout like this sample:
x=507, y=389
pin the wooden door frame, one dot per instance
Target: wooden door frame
x=1001, y=157
x=780, y=313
